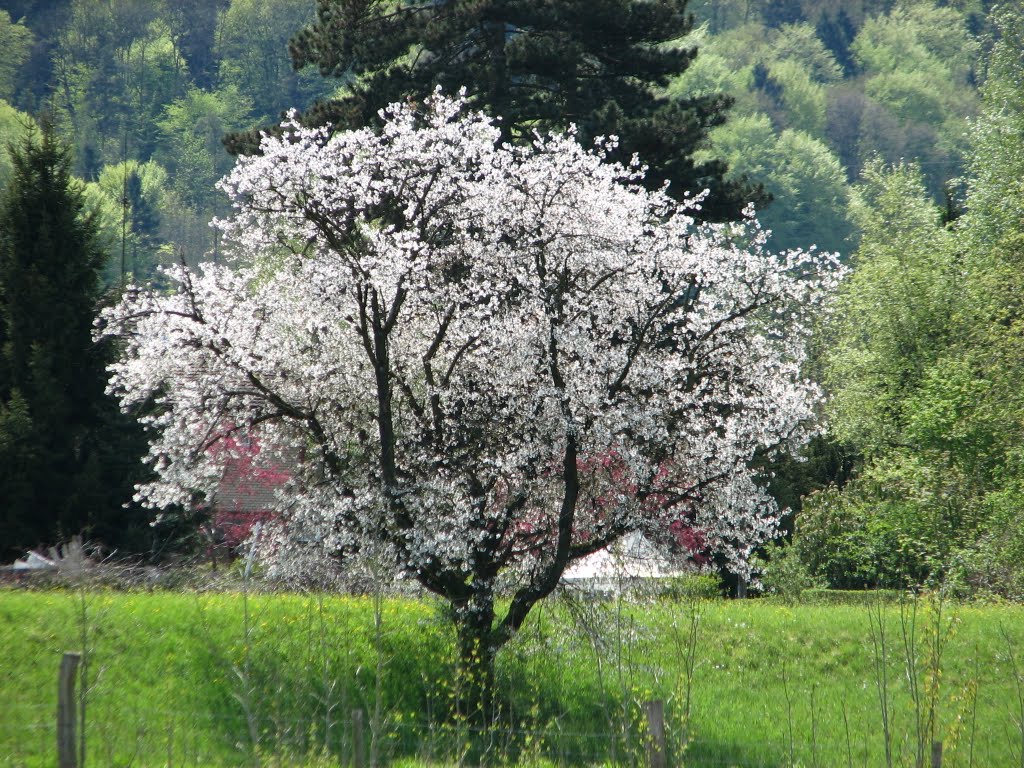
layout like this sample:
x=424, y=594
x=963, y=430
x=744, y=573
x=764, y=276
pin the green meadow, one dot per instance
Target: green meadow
x=227, y=679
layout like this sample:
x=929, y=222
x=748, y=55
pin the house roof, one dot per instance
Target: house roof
x=631, y=557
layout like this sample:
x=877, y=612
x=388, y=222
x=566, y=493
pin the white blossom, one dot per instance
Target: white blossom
x=488, y=360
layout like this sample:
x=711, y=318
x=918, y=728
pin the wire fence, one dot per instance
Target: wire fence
x=309, y=688
x=154, y=736
x=172, y=740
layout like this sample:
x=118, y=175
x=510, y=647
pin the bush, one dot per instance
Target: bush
x=784, y=574
x=868, y=597
x=861, y=537
x=693, y=586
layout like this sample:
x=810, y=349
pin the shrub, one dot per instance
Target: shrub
x=784, y=574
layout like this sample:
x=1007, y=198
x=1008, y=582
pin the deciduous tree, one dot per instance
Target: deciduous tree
x=252, y=46
x=192, y=152
x=15, y=47
x=489, y=361
x=925, y=370
x=798, y=170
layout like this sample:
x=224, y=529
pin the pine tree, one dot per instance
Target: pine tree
x=780, y=12
x=837, y=33
x=59, y=432
x=144, y=220
x=596, y=63
x=193, y=24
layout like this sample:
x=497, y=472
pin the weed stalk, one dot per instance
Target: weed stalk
x=880, y=659
x=1018, y=680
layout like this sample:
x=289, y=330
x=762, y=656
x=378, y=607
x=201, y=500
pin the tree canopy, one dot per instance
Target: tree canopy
x=925, y=370
x=489, y=361
x=601, y=66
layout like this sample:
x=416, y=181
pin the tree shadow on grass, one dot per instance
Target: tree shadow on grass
x=703, y=752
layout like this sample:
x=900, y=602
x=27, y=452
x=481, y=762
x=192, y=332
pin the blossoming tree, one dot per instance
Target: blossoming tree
x=490, y=361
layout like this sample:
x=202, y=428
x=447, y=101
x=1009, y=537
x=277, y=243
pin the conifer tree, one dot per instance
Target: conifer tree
x=144, y=219
x=598, y=64
x=837, y=33
x=780, y=12
x=65, y=453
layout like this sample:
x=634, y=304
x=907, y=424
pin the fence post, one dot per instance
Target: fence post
x=936, y=754
x=358, y=751
x=67, y=754
x=656, y=753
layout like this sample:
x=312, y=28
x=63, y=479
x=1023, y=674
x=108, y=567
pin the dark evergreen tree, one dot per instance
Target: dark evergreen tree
x=68, y=458
x=45, y=18
x=596, y=63
x=837, y=34
x=193, y=24
x=144, y=221
x=768, y=85
x=778, y=12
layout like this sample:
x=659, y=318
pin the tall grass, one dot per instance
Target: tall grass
x=214, y=680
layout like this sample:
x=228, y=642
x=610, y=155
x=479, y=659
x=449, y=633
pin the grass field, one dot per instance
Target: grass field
x=222, y=679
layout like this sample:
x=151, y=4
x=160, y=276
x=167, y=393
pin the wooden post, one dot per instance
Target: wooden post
x=936, y=754
x=358, y=751
x=657, y=755
x=67, y=746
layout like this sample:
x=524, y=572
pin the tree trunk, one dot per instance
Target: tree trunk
x=475, y=678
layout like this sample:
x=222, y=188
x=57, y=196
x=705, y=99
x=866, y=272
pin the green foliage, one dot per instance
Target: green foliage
x=918, y=112
x=60, y=428
x=781, y=72
x=799, y=44
x=895, y=80
x=115, y=67
x=48, y=274
x=18, y=459
x=800, y=99
x=894, y=396
x=13, y=126
x=143, y=188
x=802, y=175
x=899, y=523
x=193, y=25
x=918, y=63
x=785, y=575
x=779, y=79
x=925, y=370
x=997, y=151
x=918, y=36
x=991, y=564
x=709, y=74
x=252, y=46
x=910, y=95
x=780, y=12
x=696, y=586
x=893, y=313
x=837, y=33
x=598, y=65
x=15, y=45
x=106, y=213
x=193, y=155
